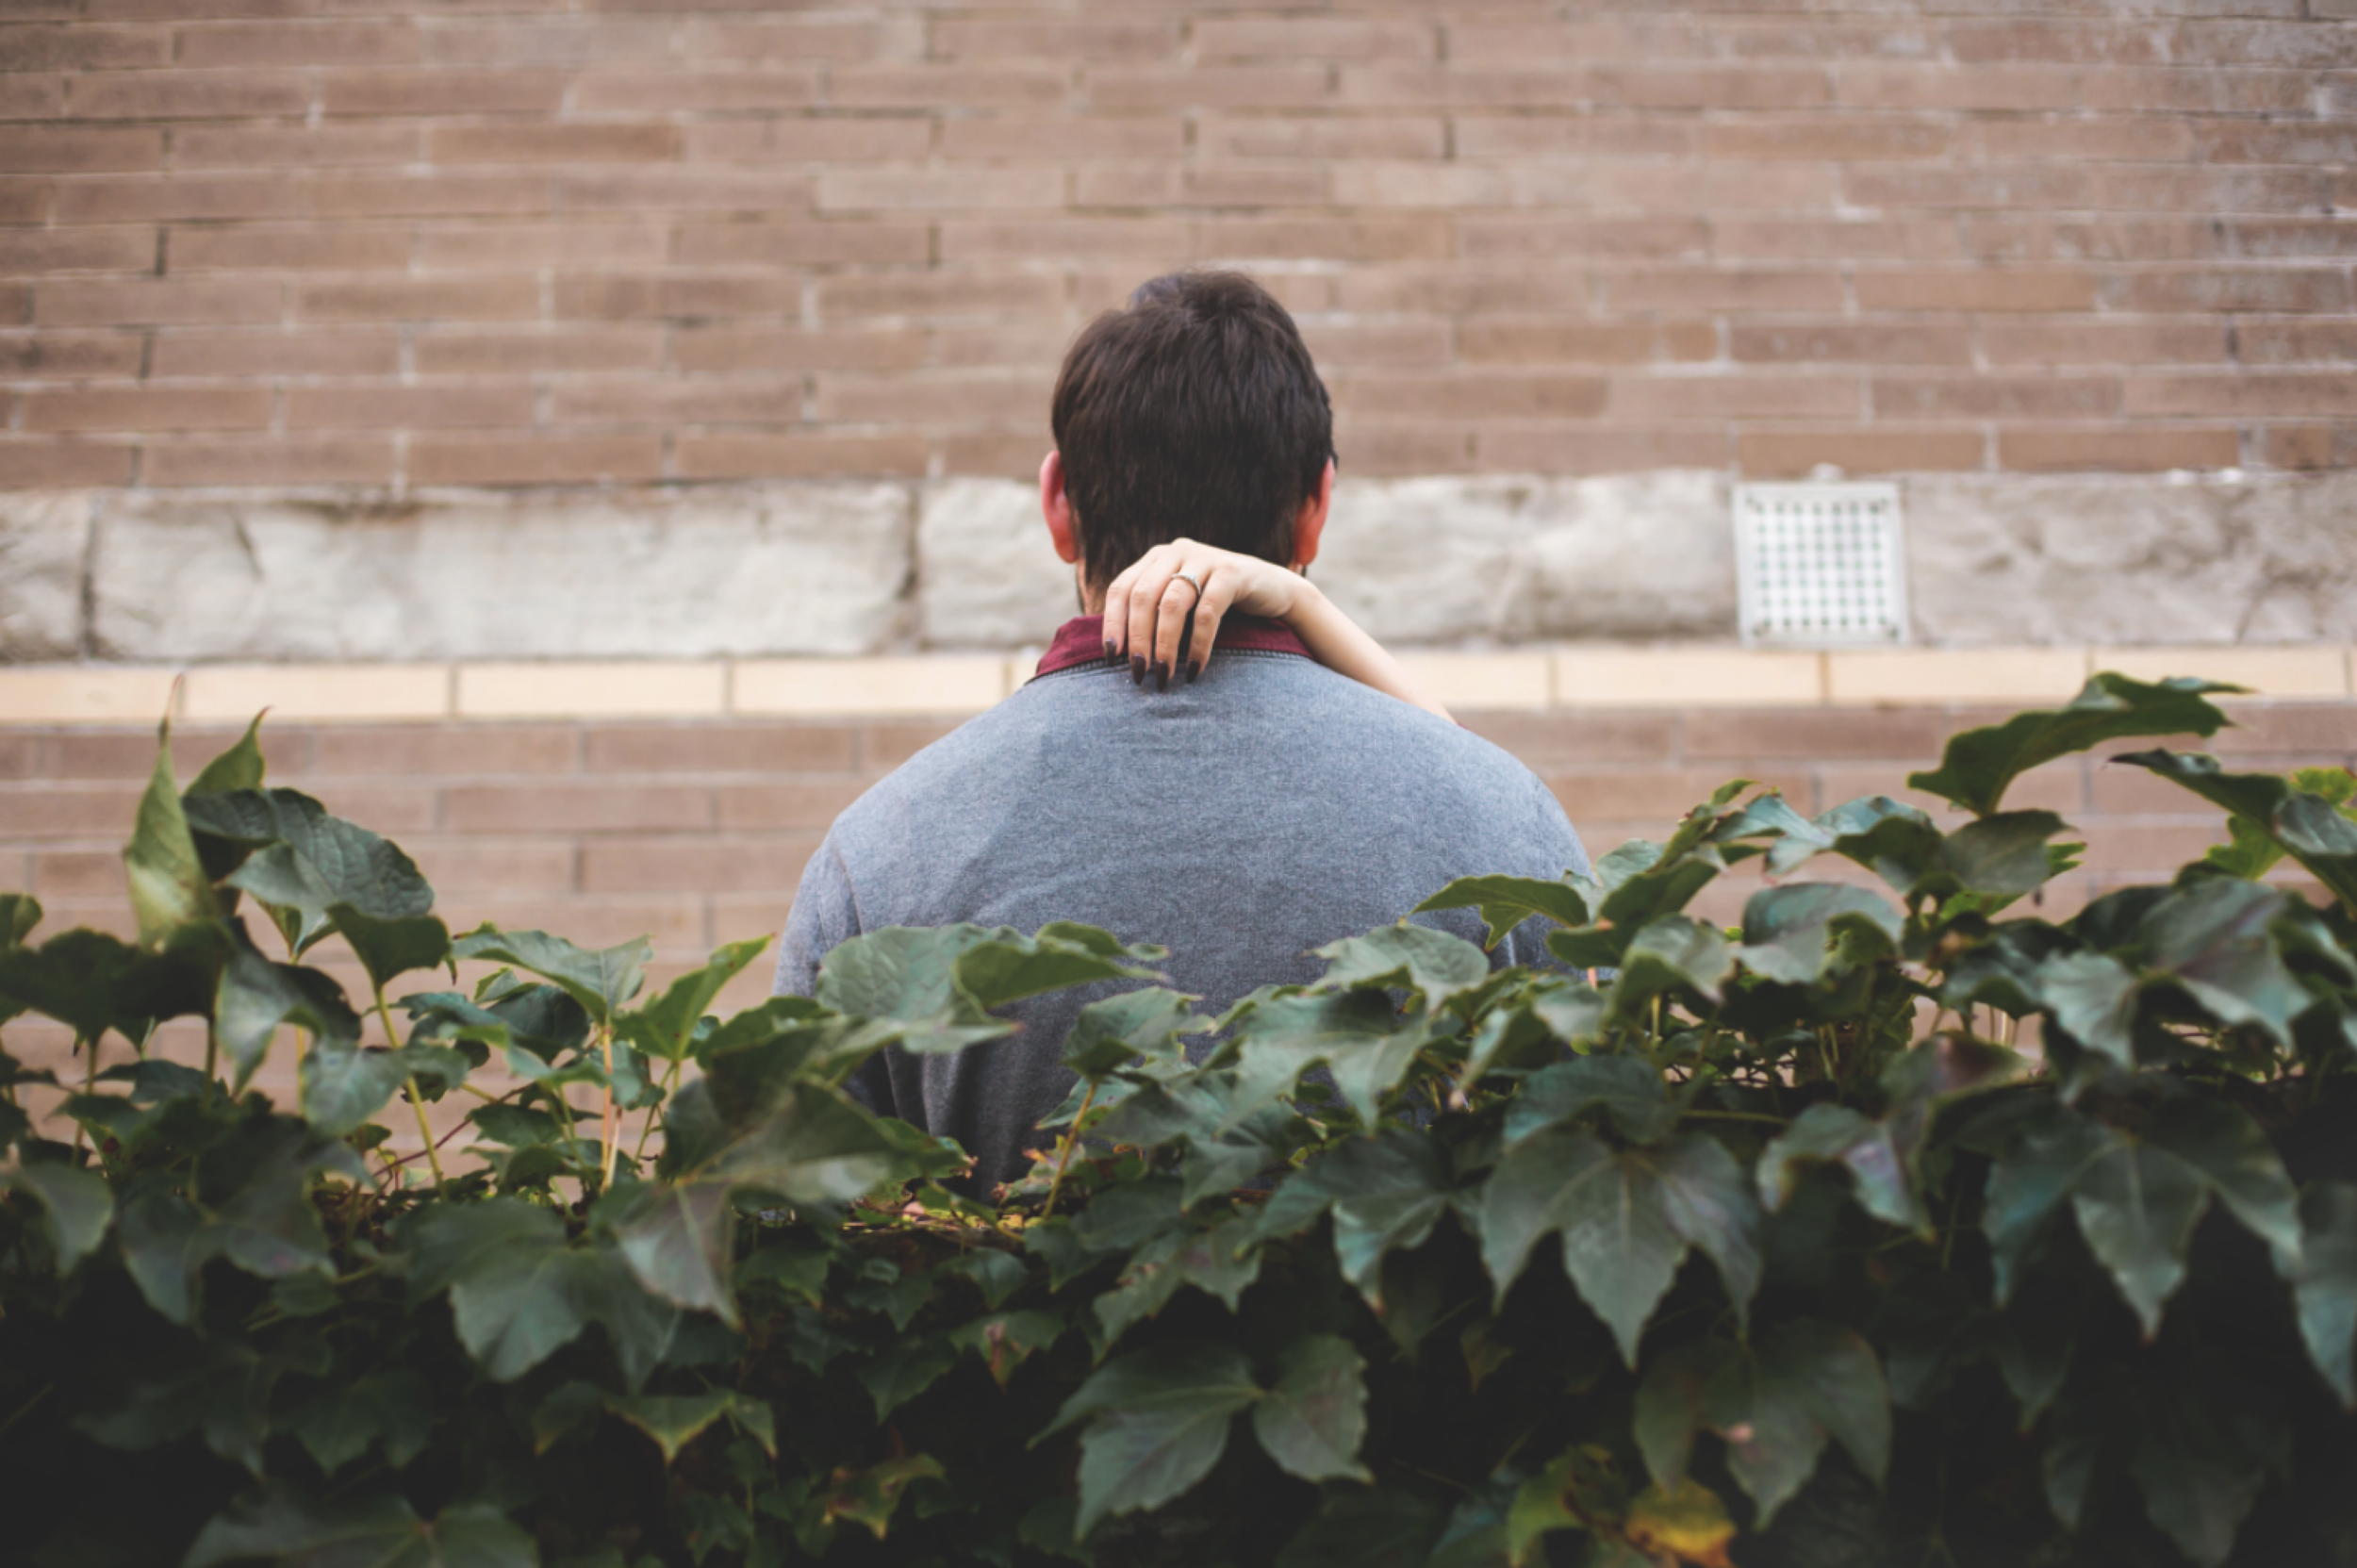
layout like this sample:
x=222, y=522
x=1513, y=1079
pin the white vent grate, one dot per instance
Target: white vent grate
x=1821, y=564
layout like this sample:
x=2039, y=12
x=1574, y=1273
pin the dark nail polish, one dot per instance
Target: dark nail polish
x=1162, y=677
x=1194, y=671
x=1113, y=649
x=1137, y=670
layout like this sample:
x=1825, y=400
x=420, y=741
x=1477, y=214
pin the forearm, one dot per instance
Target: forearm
x=1337, y=642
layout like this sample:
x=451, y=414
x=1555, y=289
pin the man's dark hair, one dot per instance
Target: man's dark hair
x=1194, y=412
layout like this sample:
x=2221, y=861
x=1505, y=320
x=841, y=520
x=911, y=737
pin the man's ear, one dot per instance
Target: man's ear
x=1309, y=525
x=1056, y=507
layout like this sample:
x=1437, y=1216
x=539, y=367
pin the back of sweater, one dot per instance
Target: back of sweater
x=1267, y=809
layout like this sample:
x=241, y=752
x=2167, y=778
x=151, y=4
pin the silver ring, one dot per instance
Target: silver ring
x=1190, y=579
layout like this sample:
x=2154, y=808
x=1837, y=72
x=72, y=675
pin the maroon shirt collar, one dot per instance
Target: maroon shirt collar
x=1081, y=640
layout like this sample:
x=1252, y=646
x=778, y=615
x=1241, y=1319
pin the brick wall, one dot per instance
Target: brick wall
x=520, y=241
x=696, y=833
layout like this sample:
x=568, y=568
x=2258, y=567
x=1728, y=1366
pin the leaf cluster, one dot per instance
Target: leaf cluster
x=1893, y=1220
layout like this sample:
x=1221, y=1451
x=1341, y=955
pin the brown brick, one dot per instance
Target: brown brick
x=468, y=750
x=1746, y=737
x=41, y=811
x=2019, y=185
x=1589, y=135
x=1931, y=342
x=1153, y=241
x=551, y=143
x=2059, y=787
x=708, y=187
x=331, y=145
x=940, y=397
x=903, y=190
x=41, y=465
x=534, y=460
x=1720, y=289
x=1629, y=793
x=1769, y=453
x=303, y=42
x=621, y=296
x=185, y=94
x=214, y=408
x=20, y=755
x=161, y=302
x=2309, y=446
x=270, y=352
x=2260, y=394
x=885, y=747
x=79, y=874
x=1542, y=340
x=2138, y=140
x=513, y=352
x=1348, y=345
x=773, y=37
x=673, y=921
x=798, y=455
x=1830, y=238
x=419, y=300
x=484, y=864
x=55, y=355
x=51, y=251
x=1313, y=38
x=544, y=807
x=2222, y=188
x=2072, y=340
x=736, y=349
x=461, y=406
x=734, y=748
x=2250, y=288
x=427, y=196
x=1306, y=137
x=1552, y=238
x=1329, y=238
x=274, y=248
x=1082, y=37
x=938, y=295
x=2314, y=730
x=82, y=47
x=1130, y=89
x=1935, y=397
x=1003, y=453
x=25, y=200
x=1614, y=449
x=513, y=247
x=1985, y=288
x=1563, y=741
x=738, y=863
x=787, y=805
x=519, y=38
x=2155, y=850
x=741, y=401
x=441, y=91
x=24, y=97
x=132, y=199
x=1841, y=137
x=1643, y=397
x=293, y=460
x=1490, y=395
x=2288, y=238
x=80, y=149
x=2055, y=450
x=945, y=87
x=809, y=241
x=849, y=140
x=673, y=90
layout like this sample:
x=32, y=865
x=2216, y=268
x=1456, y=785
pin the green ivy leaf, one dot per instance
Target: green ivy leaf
x=1354, y=1034
x=345, y=1419
x=1313, y=1419
x=1005, y=966
x=677, y=1240
x=1004, y=1340
x=1504, y=902
x=2215, y=939
x=2323, y=1276
x=343, y=1084
x=674, y=1420
x=19, y=914
x=378, y=1532
x=1112, y=1034
x=1789, y=932
x=870, y=1497
x=1979, y=765
x=388, y=949
x=1625, y=1220
x=169, y=887
x=1157, y=1421
x=1672, y=952
x=600, y=980
x=1836, y=1134
x=1433, y=965
x=76, y=1207
x=256, y=997
x=905, y=1371
x=240, y=767
x=77, y=977
x=1802, y=1382
x=517, y=1293
x=325, y=860
x=2307, y=825
x=1386, y=1192
x=666, y=1027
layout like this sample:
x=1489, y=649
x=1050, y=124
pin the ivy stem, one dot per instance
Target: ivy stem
x=409, y=1083
x=646, y=1130
x=605, y=1122
x=1063, y=1155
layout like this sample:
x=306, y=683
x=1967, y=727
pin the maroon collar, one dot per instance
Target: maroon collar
x=1081, y=640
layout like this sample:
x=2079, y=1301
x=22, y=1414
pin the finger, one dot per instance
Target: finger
x=1219, y=591
x=1117, y=613
x=1170, y=628
x=1144, y=608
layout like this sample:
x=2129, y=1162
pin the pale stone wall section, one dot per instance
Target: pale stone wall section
x=797, y=569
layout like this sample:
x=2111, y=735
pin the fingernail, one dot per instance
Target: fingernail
x=1113, y=649
x=1192, y=671
x=1137, y=670
x=1162, y=677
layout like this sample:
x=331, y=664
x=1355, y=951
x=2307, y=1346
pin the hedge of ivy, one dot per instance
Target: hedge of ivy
x=1764, y=1245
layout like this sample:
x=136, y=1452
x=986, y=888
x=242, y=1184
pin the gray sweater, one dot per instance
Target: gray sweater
x=1269, y=808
